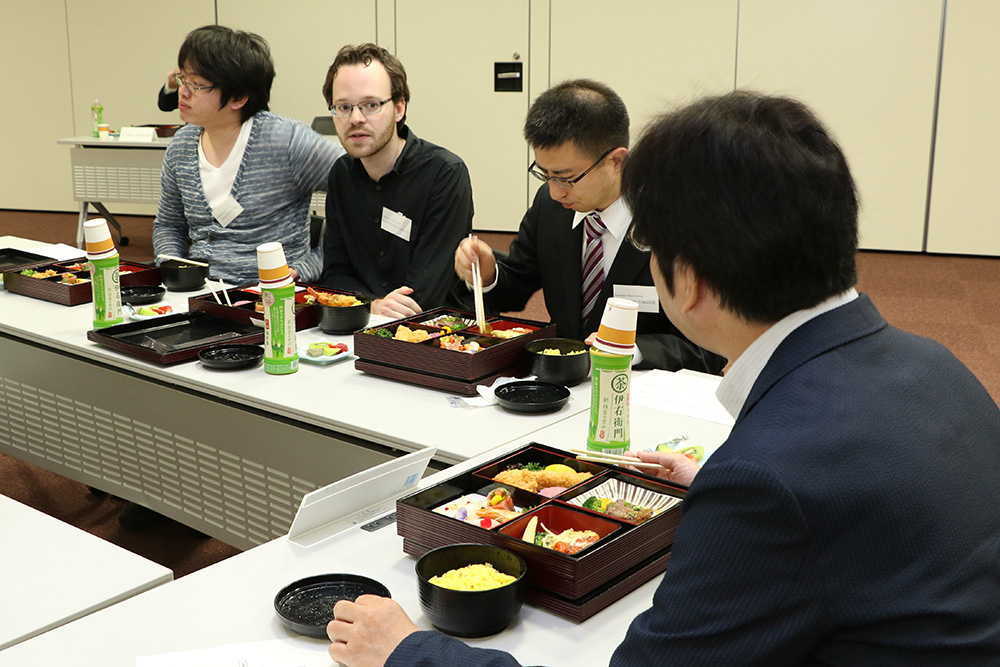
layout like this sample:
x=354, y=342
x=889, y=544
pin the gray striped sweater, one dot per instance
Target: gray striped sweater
x=284, y=162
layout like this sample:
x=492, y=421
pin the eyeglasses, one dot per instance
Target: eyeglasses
x=182, y=80
x=635, y=243
x=566, y=183
x=368, y=108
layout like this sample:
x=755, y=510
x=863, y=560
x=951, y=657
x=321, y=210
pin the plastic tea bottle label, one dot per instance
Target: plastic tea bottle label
x=107, y=295
x=611, y=378
x=97, y=115
x=280, y=352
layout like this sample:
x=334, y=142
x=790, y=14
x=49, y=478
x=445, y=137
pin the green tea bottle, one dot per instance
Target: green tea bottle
x=104, y=267
x=277, y=291
x=611, y=378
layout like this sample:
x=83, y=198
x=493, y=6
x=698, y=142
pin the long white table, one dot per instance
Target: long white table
x=232, y=601
x=228, y=453
x=52, y=573
x=113, y=170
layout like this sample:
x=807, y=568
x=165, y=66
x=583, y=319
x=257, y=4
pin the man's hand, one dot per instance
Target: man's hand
x=467, y=252
x=396, y=304
x=366, y=632
x=172, y=82
x=678, y=468
x=294, y=273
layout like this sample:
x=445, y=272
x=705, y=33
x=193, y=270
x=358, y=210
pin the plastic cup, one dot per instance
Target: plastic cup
x=616, y=335
x=272, y=269
x=98, y=239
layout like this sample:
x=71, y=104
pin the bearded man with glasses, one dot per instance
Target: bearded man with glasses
x=397, y=204
x=571, y=243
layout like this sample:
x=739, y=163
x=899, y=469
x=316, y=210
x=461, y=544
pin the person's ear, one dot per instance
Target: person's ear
x=238, y=103
x=617, y=158
x=400, y=109
x=688, y=286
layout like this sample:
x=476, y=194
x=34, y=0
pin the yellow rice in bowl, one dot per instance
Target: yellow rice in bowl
x=478, y=577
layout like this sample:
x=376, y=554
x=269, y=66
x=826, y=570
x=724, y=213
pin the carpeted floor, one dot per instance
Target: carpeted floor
x=952, y=299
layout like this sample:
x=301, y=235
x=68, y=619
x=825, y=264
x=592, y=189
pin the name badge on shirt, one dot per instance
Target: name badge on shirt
x=227, y=211
x=644, y=295
x=396, y=224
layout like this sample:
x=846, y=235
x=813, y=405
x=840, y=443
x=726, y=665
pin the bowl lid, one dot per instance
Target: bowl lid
x=306, y=605
x=531, y=396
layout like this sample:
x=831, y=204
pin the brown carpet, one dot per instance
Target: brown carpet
x=952, y=299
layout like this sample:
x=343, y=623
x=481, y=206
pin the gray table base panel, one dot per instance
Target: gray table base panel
x=234, y=474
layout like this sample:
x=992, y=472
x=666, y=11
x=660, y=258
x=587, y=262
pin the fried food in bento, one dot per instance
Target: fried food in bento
x=335, y=300
x=535, y=480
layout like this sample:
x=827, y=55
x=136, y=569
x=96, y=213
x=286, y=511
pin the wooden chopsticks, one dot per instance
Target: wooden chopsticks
x=613, y=459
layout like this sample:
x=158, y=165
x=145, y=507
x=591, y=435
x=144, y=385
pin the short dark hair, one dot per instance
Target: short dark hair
x=238, y=63
x=364, y=54
x=586, y=112
x=754, y=195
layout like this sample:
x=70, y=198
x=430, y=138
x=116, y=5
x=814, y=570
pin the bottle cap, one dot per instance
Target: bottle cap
x=616, y=335
x=98, y=239
x=272, y=267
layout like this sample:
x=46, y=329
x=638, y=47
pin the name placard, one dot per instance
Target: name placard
x=137, y=134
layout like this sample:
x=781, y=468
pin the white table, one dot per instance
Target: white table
x=52, y=573
x=232, y=602
x=112, y=170
x=228, y=453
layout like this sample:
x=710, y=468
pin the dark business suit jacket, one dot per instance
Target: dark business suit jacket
x=547, y=254
x=851, y=518
x=167, y=101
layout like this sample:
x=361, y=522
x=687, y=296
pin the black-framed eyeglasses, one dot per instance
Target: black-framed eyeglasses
x=368, y=108
x=566, y=183
x=182, y=80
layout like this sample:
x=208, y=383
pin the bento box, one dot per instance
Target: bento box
x=610, y=530
x=173, y=338
x=248, y=307
x=444, y=349
x=68, y=283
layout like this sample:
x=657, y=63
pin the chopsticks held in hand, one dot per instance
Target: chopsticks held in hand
x=477, y=287
x=613, y=459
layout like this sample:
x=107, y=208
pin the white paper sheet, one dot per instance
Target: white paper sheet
x=60, y=251
x=272, y=653
x=690, y=394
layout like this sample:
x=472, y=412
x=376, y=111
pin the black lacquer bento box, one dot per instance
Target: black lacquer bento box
x=429, y=364
x=245, y=302
x=628, y=553
x=56, y=290
x=173, y=338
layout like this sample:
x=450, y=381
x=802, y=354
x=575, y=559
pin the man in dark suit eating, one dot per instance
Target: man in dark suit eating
x=570, y=242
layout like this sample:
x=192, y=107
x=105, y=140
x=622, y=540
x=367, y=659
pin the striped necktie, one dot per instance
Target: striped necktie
x=593, y=262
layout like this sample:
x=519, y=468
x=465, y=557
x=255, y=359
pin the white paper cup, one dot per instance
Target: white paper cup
x=616, y=335
x=272, y=269
x=98, y=239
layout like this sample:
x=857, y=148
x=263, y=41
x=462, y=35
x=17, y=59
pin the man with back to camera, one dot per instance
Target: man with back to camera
x=570, y=242
x=852, y=517
x=396, y=204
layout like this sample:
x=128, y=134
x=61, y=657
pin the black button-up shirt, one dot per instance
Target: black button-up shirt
x=429, y=185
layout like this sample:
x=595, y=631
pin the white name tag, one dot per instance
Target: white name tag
x=227, y=211
x=644, y=295
x=396, y=224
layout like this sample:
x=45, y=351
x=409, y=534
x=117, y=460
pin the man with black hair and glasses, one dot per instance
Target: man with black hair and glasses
x=571, y=242
x=237, y=175
x=397, y=204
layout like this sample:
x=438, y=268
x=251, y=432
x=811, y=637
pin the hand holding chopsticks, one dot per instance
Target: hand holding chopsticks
x=477, y=287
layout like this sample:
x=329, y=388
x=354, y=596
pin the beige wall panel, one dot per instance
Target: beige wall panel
x=35, y=172
x=121, y=52
x=304, y=37
x=656, y=54
x=869, y=69
x=448, y=48
x=964, y=216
